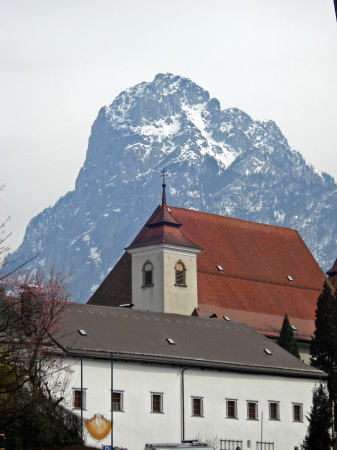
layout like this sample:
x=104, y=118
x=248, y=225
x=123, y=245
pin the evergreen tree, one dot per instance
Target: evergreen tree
x=287, y=339
x=323, y=348
x=318, y=435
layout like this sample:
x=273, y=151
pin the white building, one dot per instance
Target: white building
x=178, y=377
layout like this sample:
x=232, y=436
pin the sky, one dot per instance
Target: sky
x=62, y=60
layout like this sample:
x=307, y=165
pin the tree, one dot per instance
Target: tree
x=33, y=379
x=323, y=347
x=287, y=339
x=318, y=435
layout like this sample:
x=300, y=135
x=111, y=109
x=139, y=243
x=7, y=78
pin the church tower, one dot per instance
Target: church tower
x=164, y=265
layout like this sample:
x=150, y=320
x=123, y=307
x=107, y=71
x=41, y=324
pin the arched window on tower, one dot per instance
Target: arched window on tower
x=180, y=274
x=147, y=274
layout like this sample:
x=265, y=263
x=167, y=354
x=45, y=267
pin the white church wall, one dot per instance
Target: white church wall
x=164, y=295
x=137, y=425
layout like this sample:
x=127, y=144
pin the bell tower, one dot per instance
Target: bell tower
x=164, y=264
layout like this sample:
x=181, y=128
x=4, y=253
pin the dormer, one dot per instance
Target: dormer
x=163, y=254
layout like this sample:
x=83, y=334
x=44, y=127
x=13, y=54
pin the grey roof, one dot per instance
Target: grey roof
x=133, y=335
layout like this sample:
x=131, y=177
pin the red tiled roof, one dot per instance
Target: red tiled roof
x=115, y=290
x=256, y=260
x=267, y=324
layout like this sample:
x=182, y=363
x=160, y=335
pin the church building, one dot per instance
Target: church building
x=194, y=263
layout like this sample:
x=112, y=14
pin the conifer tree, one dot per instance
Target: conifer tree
x=287, y=339
x=318, y=435
x=323, y=348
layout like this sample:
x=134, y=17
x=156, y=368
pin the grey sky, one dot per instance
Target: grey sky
x=62, y=60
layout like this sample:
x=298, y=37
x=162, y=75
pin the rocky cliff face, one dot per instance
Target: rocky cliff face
x=222, y=162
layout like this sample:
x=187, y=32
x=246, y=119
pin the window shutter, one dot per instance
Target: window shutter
x=73, y=398
x=247, y=410
x=235, y=410
x=256, y=411
x=277, y=411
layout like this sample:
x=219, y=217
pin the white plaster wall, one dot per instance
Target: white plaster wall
x=180, y=299
x=148, y=298
x=164, y=296
x=137, y=426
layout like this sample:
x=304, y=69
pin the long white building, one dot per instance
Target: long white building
x=177, y=377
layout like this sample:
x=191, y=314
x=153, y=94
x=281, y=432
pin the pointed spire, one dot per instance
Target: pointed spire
x=163, y=172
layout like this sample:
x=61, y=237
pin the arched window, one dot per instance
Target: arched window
x=180, y=274
x=147, y=274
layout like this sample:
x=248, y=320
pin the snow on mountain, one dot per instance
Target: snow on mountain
x=222, y=162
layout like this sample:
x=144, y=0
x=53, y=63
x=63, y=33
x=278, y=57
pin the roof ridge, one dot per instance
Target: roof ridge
x=235, y=219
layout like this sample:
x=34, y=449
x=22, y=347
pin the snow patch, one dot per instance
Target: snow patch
x=279, y=216
x=94, y=255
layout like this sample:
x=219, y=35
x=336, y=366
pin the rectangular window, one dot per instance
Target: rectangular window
x=117, y=401
x=274, y=411
x=197, y=406
x=252, y=413
x=77, y=398
x=157, y=402
x=297, y=412
x=231, y=407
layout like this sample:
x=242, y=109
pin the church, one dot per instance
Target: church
x=193, y=263
x=177, y=342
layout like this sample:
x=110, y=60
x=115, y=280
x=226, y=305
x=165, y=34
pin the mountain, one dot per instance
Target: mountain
x=222, y=162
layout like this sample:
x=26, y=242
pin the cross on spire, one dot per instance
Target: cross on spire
x=163, y=173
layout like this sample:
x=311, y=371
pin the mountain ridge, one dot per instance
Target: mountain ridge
x=219, y=161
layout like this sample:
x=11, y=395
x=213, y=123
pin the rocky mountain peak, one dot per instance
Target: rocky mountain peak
x=219, y=161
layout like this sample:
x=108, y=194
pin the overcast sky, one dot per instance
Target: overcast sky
x=62, y=60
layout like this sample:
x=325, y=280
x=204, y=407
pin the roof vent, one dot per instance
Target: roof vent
x=220, y=268
x=293, y=327
x=82, y=332
x=127, y=305
x=268, y=351
x=79, y=310
x=171, y=341
x=91, y=312
x=103, y=313
x=211, y=316
x=290, y=278
x=227, y=318
x=168, y=209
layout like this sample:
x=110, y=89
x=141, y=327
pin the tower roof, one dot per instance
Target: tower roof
x=162, y=228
